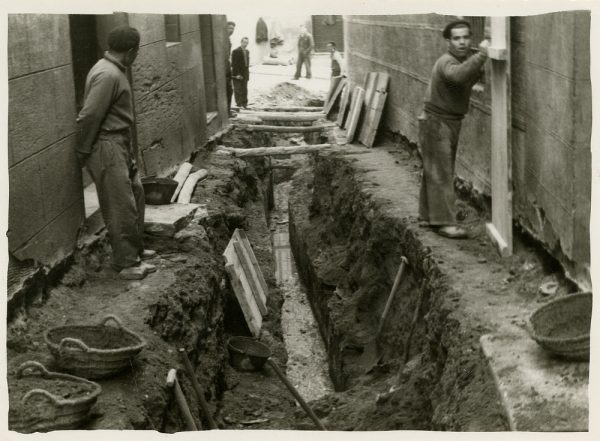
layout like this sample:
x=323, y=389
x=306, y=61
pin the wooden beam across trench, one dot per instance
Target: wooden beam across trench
x=273, y=151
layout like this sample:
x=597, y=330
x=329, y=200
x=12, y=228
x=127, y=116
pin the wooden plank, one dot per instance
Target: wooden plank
x=333, y=83
x=247, y=304
x=282, y=129
x=343, y=105
x=501, y=160
x=369, y=87
x=285, y=116
x=273, y=151
x=278, y=109
x=372, y=119
x=335, y=96
x=255, y=288
x=250, y=252
x=355, y=110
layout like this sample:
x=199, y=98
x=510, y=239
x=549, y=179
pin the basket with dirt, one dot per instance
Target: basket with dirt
x=41, y=401
x=562, y=326
x=94, y=351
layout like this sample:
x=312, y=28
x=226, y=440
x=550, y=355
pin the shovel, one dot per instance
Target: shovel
x=371, y=355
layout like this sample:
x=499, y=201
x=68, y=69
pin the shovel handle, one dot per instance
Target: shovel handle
x=197, y=389
x=296, y=395
x=390, y=299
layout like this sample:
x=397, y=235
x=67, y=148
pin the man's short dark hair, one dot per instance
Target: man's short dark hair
x=245, y=38
x=123, y=38
x=331, y=43
x=447, y=33
x=231, y=23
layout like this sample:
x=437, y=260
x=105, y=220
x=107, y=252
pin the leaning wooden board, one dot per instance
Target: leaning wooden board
x=334, y=96
x=343, y=105
x=372, y=119
x=251, y=257
x=247, y=302
x=374, y=108
x=355, y=109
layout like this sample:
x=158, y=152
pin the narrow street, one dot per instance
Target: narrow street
x=292, y=236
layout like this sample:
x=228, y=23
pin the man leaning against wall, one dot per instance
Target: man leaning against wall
x=104, y=147
x=446, y=103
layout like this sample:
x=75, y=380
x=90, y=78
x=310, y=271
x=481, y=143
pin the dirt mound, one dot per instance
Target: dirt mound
x=289, y=94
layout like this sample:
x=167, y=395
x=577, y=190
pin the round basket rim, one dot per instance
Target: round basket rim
x=93, y=395
x=92, y=350
x=550, y=305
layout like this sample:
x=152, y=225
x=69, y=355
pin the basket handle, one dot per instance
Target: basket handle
x=51, y=397
x=34, y=366
x=114, y=318
x=74, y=342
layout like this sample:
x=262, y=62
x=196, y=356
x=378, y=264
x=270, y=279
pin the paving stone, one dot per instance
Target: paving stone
x=538, y=392
x=166, y=220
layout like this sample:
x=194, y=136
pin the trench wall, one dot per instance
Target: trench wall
x=46, y=205
x=551, y=114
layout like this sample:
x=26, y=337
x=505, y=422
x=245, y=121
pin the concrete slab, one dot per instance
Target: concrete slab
x=166, y=220
x=539, y=393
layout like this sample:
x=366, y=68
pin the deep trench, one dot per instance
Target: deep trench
x=358, y=249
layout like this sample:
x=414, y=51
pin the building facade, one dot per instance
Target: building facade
x=178, y=84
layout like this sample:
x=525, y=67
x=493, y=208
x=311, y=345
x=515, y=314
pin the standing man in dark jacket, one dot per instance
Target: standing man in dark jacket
x=240, y=71
x=446, y=103
x=104, y=147
x=306, y=45
x=230, y=29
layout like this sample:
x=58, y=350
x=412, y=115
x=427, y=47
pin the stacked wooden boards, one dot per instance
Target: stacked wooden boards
x=247, y=280
x=366, y=102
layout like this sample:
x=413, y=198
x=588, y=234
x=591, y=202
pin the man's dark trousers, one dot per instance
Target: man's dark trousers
x=120, y=194
x=303, y=59
x=240, y=88
x=438, y=139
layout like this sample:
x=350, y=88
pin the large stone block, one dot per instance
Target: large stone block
x=150, y=26
x=61, y=177
x=41, y=111
x=37, y=42
x=166, y=220
x=56, y=240
x=156, y=111
x=151, y=69
x=549, y=102
x=550, y=41
x=25, y=202
x=189, y=23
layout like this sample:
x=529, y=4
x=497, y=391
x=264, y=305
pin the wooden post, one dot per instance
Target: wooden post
x=500, y=229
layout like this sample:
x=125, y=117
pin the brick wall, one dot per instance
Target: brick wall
x=551, y=104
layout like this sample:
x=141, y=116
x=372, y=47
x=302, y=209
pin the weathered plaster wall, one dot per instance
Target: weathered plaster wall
x=45, y=198
x=551, y=108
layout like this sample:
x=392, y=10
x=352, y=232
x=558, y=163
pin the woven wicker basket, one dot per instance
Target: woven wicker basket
x=42, y=411
x=95, y=351
x=562, y=326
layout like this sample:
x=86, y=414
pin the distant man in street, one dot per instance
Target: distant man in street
x=230, y=29
x=240, y=71
x=104, y=147
x=446, y=103
x=337, y=62
x=306, y=45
